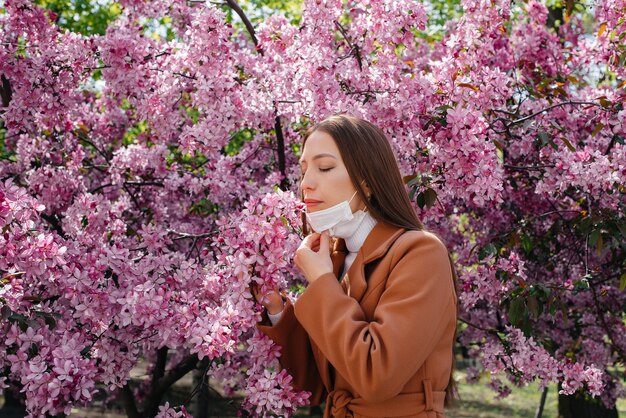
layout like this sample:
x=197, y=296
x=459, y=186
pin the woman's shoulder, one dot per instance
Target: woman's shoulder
x=419, y=242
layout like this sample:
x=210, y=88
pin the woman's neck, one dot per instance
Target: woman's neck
x=355, y=241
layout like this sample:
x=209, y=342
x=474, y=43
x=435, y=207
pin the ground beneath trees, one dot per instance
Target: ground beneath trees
x=477, y=401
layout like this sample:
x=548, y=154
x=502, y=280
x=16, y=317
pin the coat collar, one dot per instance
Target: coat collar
x=379, y=240
x=375, y=246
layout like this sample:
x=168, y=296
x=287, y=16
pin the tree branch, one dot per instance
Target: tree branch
x=159, y=367
x=604, y=324
x=164, y=383
x=128, y=400
x=354, y=48
x=529, y=167
x=128, y=183
x=182, y=235
x=82, y=137
x=280, y=145
x=6, y=93
x=55, y=223
x=233, y=5
x=532, y=115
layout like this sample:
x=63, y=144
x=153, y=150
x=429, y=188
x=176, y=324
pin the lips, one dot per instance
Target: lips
x=312, y=202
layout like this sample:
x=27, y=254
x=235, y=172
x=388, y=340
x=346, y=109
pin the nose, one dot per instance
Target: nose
x=307, y=182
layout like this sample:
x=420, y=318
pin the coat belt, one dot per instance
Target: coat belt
x=341, y=404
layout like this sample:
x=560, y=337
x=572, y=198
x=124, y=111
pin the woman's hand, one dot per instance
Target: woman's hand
x=313, y=256
x=272, y=301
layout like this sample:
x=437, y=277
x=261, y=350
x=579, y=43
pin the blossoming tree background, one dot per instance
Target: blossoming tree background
x=148, y=176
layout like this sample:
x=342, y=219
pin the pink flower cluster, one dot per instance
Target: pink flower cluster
x=524, y=361
x=269, y=389
x=137, y=209
x=166, y=411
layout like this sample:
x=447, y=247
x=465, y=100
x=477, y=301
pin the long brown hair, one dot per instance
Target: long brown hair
x=368, y=156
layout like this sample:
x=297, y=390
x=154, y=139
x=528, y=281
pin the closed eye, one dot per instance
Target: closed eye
x=326, y=169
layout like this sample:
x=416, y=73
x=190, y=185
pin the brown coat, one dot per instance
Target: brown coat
x=378, y=343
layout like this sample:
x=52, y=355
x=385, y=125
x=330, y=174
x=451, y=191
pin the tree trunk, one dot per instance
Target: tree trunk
x=200, y=380
x=577, y=406
x=542, y=403
x=13, y=406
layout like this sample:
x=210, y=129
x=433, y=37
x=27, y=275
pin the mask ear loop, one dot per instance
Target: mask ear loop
x=306, y=226
x=365, y=209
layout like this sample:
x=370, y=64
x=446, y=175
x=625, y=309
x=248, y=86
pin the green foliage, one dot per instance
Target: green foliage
x=440, y=12
x=83, y=16
x=189, y=163
x=237, y=140
x=258, y=10
x=158, y=29
x=420, y=189
x=297, y=289
x=602, y=233
x=5, y=153
x=204, y=207
x=132, y=132
x=20, y=51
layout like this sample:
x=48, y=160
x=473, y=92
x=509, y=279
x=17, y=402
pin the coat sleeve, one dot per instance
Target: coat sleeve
x=296, y=352
x=379, y=357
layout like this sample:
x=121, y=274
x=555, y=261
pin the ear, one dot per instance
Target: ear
x=366, y=188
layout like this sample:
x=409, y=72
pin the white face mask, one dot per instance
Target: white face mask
x=334, y=219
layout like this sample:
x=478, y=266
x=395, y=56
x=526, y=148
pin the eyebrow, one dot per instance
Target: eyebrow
x=318, y=156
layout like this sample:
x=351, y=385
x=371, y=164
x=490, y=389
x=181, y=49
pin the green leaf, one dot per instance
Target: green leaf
x=572, y=79
x=5, y=312
x=543, y=83
x=568, y=144
x=469, y=86
x=599, y=244
x=527, y=244
x=622, y=281
x=517, y=311
x=85, y=352
x=430, y=197
x=534, y=306
x=597, y=129
x=605, y=103
x=50, y=321
x=546, y=139
x=552, y=308
x=593, y=237
x=581, y=285
x=421, y=200
x=487, y=250
x=407, y=179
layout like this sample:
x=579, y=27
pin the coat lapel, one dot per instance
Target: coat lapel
x=338, y=255
x=375, y=246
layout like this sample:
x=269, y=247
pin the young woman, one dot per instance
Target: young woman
x=373, y=332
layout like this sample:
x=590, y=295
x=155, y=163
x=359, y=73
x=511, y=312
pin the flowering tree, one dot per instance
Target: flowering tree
x=149, y=177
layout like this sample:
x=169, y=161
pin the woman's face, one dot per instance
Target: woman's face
x=325, y=180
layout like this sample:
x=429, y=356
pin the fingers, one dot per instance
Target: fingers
x=268, y=299
x=311, y=240
x=255, y=291
x=325, y=242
